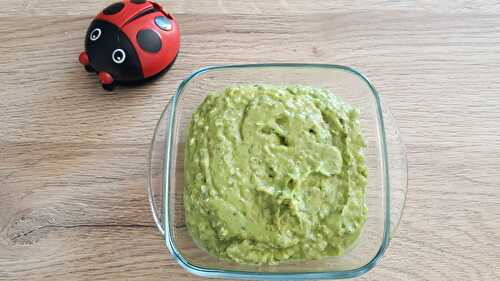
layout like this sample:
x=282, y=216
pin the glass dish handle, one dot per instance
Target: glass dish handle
x=398, y=168
x=155, y=169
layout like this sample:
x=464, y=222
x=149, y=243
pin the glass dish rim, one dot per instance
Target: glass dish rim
x=222, y=273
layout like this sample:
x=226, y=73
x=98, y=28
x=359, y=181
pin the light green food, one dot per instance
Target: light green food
x=274, y=174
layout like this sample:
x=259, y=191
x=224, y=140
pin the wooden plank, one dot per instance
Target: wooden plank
x=254, y=7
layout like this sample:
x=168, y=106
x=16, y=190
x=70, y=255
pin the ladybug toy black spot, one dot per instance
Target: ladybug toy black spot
x=130, y=41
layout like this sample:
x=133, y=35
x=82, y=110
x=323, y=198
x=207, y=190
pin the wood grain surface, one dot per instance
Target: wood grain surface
x=73, y=204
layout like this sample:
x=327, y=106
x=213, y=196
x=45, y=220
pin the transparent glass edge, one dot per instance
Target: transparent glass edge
x=215, y=273
x=152, y=204
x=166, y=174
x=405, y=170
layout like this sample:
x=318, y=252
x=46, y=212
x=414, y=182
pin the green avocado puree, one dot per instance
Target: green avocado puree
x=274, y=174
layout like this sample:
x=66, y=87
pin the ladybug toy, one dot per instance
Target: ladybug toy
x=130, y=41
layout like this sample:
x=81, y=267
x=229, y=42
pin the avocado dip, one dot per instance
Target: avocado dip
x=274, y=174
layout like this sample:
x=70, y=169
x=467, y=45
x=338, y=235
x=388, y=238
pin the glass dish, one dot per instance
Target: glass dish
x=385, y=159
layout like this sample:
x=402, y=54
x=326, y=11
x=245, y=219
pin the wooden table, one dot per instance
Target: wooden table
x=73, y=204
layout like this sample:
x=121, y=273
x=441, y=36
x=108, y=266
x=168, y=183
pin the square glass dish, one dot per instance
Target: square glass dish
x=385, y=159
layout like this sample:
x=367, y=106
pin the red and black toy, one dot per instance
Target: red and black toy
x=130, y=41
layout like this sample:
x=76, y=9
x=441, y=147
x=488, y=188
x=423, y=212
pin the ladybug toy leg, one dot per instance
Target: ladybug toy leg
x=107, y=81
x=108, y=87
x=89, y=68
x=84, y=59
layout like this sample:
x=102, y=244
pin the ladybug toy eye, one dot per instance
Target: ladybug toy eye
x=118, y=56
x=95, y=34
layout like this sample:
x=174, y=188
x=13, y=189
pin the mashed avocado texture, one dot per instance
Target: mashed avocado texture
x=274, y=174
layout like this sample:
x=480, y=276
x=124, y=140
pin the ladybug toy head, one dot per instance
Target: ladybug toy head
x=130, y=41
